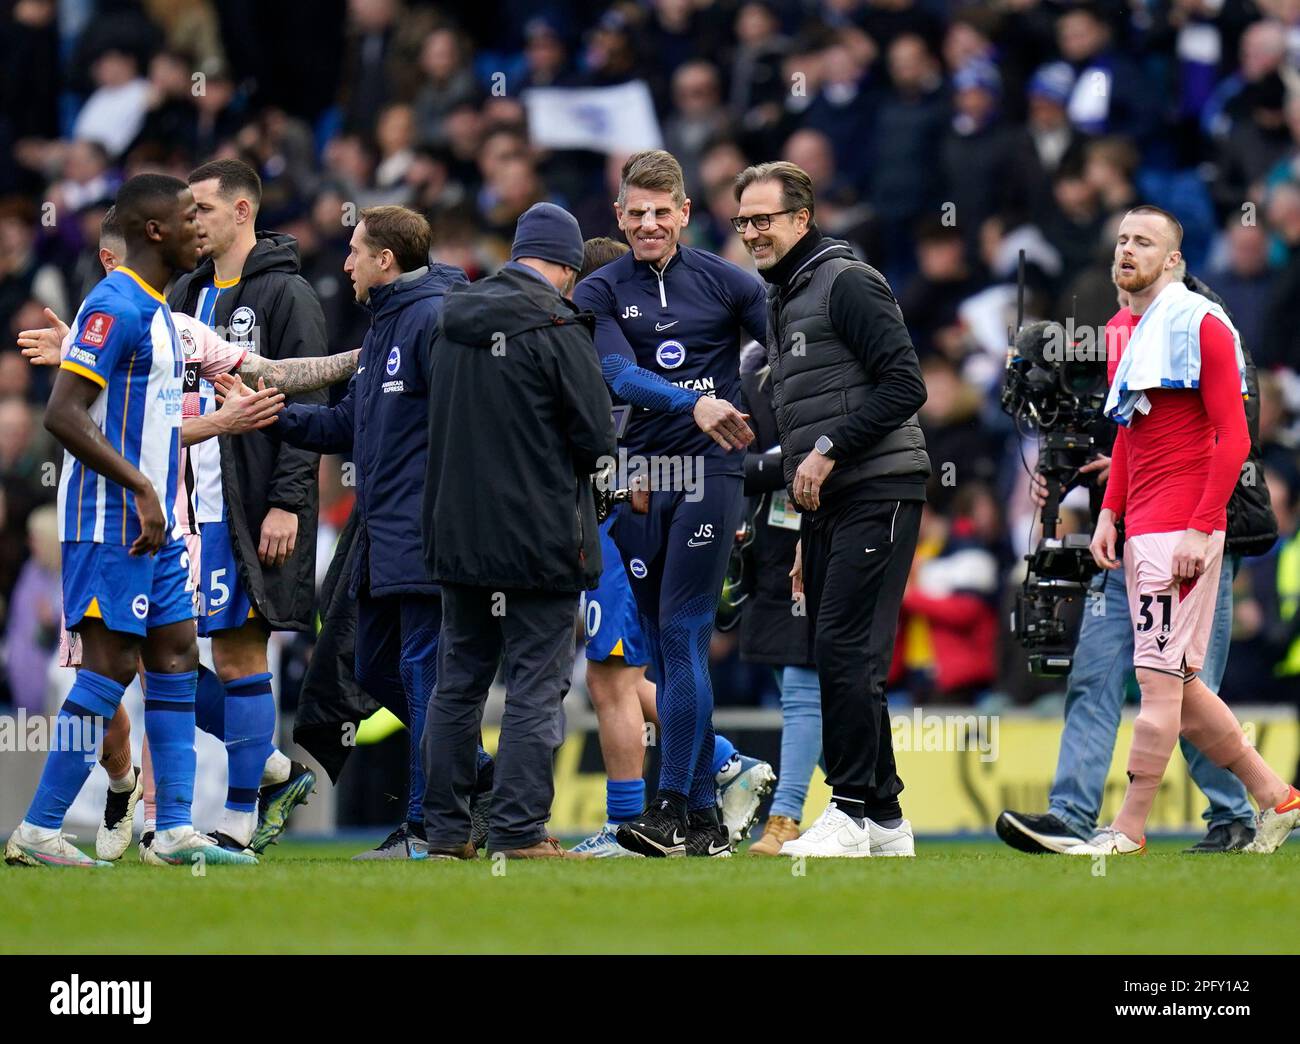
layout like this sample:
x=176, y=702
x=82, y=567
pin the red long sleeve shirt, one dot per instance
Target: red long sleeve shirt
x=1175, y=467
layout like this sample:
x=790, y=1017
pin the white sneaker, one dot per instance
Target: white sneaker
x=834, y=835
x=892, y=841
x=743, y=782
x=183, y=846
x=1273, y=825
x=114, y=835
x=32, y=846
x=1109, y=842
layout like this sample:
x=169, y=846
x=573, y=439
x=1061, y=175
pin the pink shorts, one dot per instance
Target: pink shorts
x=70, y=641
x=1172, y=619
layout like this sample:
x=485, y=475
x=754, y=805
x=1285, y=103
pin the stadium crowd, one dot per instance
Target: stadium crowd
x=943, y=137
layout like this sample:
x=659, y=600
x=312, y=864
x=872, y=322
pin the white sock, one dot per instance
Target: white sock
x=35, y=833
x=124, y=785
x=277, y=769
x=173, y=836
x=239, y=825
x=150, y=824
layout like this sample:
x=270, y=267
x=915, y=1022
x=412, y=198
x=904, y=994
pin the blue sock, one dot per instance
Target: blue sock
x=250, y=732
x=169, y=724
x=210, y=704
x=624, y=799
x=723, y=749
x=72, y=748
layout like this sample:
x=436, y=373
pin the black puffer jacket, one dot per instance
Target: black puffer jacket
x=518, y=420
x=274, y=312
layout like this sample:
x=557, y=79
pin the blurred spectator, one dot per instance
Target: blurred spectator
x=1243, y=279
x=1110, y=95
x=955, y=594
x=448, y=82
x=1245, y=117
x=905, y=179
x=23, y=274
x=395, y=136
x=961, y=448
x=1109, y=166
x=1265, y=657
x=1075, y=221
x=1048, y=124
x=86, y=178
x=930, y=298
x=1277, y=444
x=840, y=213
x=546, y=58
x=610, y=56
x=844, y=109
x=35, y=614
x=698, y=118
x=115, y=112
x=1280, y=344
x=171, y=119
x=985, y=161
x=759, y=88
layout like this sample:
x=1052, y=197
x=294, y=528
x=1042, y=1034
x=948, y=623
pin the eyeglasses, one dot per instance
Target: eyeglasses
x=762, y=222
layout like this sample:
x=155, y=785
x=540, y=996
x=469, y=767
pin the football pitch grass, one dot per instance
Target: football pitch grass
x=956, y=897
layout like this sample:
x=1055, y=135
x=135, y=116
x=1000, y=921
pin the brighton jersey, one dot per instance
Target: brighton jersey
x=205, y=458
x=124, y=340
x=664, y=337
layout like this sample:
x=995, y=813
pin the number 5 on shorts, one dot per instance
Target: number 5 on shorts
x=219, y=590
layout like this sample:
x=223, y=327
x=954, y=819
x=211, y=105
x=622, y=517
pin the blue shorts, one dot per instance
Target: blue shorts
x=609, y=615
x=223, y=605
x=132, y=595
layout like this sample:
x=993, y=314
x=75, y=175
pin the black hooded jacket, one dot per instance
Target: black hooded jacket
x=272, y=311
x=518, y=420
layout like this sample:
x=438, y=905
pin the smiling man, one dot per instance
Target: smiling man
x=846, y=386
x=383, y=422
x=670, y=321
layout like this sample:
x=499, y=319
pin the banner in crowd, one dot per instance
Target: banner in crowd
x=601, y=119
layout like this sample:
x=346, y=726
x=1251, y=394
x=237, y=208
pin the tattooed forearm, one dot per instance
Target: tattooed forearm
x=295, y=376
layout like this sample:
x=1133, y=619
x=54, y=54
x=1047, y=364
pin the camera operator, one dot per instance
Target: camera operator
x=1098, y=678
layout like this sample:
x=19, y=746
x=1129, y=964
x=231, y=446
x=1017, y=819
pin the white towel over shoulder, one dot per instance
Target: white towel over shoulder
x=1164, y=351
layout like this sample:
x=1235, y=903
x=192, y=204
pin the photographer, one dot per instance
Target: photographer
x=1098, y=679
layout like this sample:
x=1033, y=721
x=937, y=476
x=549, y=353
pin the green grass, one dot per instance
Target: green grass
x=954, y=898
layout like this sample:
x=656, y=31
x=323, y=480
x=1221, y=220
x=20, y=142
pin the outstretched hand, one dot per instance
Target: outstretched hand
x=44, y=347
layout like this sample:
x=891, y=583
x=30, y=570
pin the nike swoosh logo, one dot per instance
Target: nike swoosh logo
x=692, y=542
x=715, y=850
x=868, y=550
x=661, y=327
x=678, y=838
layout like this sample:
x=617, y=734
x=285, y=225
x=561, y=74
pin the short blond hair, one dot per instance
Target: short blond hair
x=656, y=171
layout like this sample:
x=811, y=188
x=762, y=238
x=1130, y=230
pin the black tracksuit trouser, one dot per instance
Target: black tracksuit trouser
x=857, y=553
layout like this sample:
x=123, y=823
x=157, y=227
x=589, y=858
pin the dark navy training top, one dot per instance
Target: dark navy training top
x=666, y=338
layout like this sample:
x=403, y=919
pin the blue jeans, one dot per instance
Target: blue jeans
x=1095, y=696
x=801, y=739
